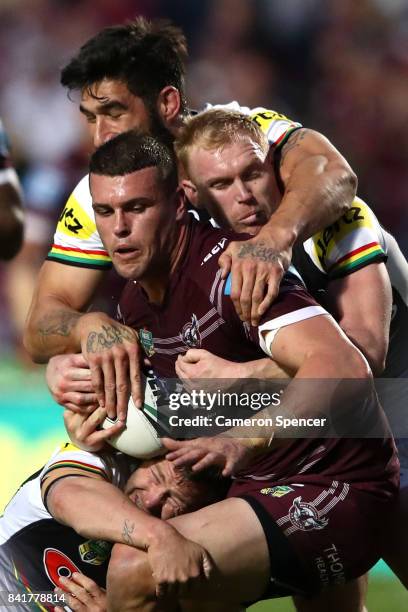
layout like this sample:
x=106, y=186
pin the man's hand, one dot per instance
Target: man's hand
x=199, y=368
x=229, y=454
x=112, y=353
x=176, y=563
x=83, y=429
x=81, y=594
x=257, y=266
x=69, y=380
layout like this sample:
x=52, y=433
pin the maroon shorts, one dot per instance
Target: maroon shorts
x=317, y=535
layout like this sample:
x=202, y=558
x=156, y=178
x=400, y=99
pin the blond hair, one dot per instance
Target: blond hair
x=214, y=129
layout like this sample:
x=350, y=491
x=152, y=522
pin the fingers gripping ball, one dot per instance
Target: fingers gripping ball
x=140, y=438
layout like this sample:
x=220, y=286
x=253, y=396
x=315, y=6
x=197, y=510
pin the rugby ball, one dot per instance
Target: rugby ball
x=140, y=438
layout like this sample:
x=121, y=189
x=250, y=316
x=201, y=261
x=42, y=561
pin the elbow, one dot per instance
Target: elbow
x=355, y=365
x=377, y=359
x=30, y=343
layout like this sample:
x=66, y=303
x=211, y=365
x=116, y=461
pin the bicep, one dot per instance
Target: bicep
x=71, y=285
x=305, y=147
x=319, y=336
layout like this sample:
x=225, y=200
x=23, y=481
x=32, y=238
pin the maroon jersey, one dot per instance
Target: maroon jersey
x=197, y=312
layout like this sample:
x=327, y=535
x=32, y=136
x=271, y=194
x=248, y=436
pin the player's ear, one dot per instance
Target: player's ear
x=181, y=204
x=191, y=192
x=169, y=103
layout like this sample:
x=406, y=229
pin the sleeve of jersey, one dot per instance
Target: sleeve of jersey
x=276, y=126
x=292, y=305
x=76, y=239
x=69, y=459
x=353, y=242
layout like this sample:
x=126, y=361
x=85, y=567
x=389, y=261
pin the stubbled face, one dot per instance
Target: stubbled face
x=136, y=220
x=110, y=109
x=236, y=184
x=159, y=489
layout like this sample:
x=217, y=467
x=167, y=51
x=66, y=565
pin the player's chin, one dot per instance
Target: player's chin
x=129, y=270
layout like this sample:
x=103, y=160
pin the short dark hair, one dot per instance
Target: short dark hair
x=132, y=151
x=145, y=55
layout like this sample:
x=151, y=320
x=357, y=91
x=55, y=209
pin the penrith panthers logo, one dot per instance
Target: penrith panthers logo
x=190, y=334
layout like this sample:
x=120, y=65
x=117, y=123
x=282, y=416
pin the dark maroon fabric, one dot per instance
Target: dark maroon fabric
x=196, y=312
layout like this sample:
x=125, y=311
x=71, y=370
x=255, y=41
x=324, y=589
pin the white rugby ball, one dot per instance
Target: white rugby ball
x=140, y=438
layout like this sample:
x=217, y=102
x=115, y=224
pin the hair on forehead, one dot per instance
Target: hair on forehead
x=214, y=129
x=132, y=151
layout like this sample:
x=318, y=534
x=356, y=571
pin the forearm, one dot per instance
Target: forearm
x=51, y=329
x=102, y=511
x=61, y=298
x=323, y=386
x=262, y=369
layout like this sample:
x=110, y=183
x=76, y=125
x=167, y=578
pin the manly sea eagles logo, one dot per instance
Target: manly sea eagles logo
x=190, y=333
x=305, y=516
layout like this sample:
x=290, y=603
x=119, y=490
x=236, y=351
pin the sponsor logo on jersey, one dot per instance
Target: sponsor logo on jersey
x=330, y=566
x=190, y=334
x=216, y=249
x=278, y=491
x=265, y=118
x=95, y=552
x=146, y=340
x=305, y=516
x=75, y=222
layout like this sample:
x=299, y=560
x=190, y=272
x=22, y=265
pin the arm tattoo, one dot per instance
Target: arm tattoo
x=58, y=324
x=128, y=529
x=258, y=251
x=98, y=341
x=293, y=141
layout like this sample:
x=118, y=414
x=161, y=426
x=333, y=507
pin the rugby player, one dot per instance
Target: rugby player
x=11, y=207
x=271, y=544
x=342, y=266
x=65, y=518
x=133, y=76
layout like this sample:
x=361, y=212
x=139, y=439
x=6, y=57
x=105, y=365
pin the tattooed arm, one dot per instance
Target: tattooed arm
x=319, y=186
x=57, y=325
x=62, y=294
x=103, y=512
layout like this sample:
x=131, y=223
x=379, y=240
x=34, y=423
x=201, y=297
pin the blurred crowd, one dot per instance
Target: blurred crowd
x=338, y=66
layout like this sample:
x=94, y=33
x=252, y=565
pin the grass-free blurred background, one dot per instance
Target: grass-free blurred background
x=338, y=66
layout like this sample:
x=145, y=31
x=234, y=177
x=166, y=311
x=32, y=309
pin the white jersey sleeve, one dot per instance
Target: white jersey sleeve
x=76, y=239
x=27, y=506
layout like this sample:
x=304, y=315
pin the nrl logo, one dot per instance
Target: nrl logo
x=95, y=552
x=146, y=340
x=190, y=333
x=305, y=516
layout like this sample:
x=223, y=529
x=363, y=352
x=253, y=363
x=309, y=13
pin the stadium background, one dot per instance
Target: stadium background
x=338, y=66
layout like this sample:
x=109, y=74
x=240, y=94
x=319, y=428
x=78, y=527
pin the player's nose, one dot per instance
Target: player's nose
x=102, y=132
x=243, y=194
x=154, y=499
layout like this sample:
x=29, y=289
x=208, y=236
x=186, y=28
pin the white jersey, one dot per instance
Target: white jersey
x=76, y=240
x=35, y=550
